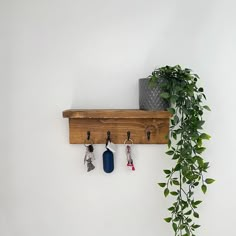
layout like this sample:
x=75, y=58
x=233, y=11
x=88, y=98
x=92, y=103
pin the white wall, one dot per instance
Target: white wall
x=60, y=54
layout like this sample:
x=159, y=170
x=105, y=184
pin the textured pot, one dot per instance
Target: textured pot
x=149, y=98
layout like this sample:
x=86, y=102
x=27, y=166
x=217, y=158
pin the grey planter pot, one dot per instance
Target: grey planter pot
x=149, y=98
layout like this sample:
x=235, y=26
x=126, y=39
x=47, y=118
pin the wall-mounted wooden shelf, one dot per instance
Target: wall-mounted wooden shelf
x=138, y=122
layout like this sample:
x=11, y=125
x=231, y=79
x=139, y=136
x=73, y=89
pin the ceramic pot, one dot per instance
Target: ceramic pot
x=149, y=97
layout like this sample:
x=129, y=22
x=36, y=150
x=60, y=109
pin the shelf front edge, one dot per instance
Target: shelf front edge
x=114, y=113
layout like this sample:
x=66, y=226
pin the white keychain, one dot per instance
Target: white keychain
x=111, y=146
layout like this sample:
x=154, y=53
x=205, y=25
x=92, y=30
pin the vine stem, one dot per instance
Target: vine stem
x=180, y=195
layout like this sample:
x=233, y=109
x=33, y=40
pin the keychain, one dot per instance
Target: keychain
x=108, y=161
x=89, y=157
x=108, y=157
x=130, y=162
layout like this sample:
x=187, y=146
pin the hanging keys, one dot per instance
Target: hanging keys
x=130, y=162
x=108, y=156
x=89, y=157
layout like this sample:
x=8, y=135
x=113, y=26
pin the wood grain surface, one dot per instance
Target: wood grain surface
x=118, y=122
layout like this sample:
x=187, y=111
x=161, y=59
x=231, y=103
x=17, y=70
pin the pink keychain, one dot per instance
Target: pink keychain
x=130, y=162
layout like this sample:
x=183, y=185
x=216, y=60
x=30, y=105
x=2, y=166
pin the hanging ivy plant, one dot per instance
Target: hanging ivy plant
x=185, y=145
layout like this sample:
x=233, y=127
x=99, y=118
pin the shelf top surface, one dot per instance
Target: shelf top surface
x=114, y=113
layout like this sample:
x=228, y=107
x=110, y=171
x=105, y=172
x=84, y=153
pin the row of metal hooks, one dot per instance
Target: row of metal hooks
x=148, y=133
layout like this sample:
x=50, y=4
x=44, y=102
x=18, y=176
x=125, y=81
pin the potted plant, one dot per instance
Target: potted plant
x=180, y=90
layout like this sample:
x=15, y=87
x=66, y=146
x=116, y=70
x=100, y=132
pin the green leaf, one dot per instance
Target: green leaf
x=175, y=182
x=188, y=212
x=173, y=99
x=175, y=227
x=176, y=119
x=171, y=110
x=179, y=131
x=167, y=172
x=204, y=188
x=178, y=167
x=209, y=181
x=176, y=219
x=200, y=161
x=200, y=150
x=166, y=192
x=178, y=89
x=195, y=214
x=174, y=193
x=200, y=123
x=172, y=122
x=197, y=202
x=206, y=165
x=187, y=230
x=207, y=108
x=165, y=95
x=189, y=220
x=199, y=142
x=195, y=226
x=205, y=136
x=162, y=185
x=168, y=220
x=181, y=227
x=170, y=152
x=174, y=136
x=180, y=142
x=171, y=209
x=176, y=156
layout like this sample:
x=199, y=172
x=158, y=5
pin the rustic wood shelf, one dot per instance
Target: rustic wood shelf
x=98, y=122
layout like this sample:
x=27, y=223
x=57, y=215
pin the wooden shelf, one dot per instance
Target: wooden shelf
x=118, y=122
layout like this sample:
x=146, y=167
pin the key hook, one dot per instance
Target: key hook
x=88, y=135
x=88, y=141
x=148, y=135
x=108, y=137
x=128, y=135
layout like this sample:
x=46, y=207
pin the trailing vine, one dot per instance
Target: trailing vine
x=185, y=145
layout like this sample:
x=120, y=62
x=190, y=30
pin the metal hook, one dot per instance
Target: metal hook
x=108, y=135
x=148, y=134
x=128, y=135
x=88, y=135
x=88, y=141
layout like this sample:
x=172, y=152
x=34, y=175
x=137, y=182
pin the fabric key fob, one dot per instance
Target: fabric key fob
x=108, y=161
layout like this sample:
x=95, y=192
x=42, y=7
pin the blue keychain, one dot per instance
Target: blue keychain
x=108, y=161
x=108, y=158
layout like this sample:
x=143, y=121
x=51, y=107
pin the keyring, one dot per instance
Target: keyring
x=87, y=144
x=128, y=140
